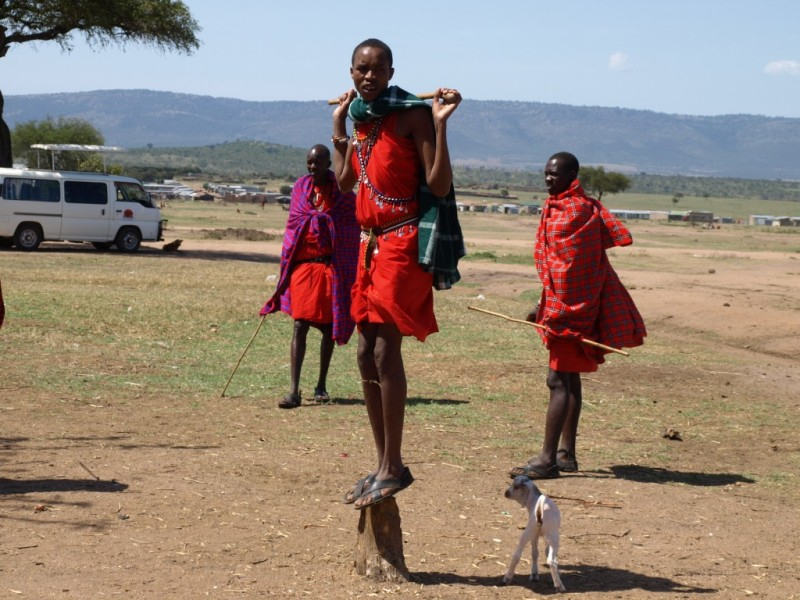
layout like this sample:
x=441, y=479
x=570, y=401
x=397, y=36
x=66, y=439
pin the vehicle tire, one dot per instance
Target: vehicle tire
x=102, y=245
x=28, y=237
x=128, y=239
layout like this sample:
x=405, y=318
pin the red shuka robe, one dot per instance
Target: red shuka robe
x=395, y=288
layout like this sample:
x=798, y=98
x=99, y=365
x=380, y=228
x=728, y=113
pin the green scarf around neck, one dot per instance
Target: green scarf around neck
x=392, y=99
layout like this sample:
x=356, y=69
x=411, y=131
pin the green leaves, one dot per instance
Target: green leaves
x=165, y=24
x=55, y=131
x=596, y=181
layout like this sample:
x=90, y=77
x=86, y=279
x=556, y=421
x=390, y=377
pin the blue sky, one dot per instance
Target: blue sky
x=697, y=57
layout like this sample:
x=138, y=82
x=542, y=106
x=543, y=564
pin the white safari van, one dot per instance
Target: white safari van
x=105, y=210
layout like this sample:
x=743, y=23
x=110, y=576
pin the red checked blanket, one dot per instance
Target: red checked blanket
x=583, y=296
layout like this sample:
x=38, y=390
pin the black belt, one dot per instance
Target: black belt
x=317, y=259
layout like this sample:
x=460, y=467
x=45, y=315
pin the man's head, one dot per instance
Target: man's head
x=318, y=161
x=560, y=171
x=371, y=68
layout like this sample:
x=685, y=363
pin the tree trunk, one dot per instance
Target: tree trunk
x=379, y=546
x=6, y=159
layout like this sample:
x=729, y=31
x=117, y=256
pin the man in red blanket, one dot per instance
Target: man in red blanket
x=318, y=268
x=582, y=298
x=399, y=143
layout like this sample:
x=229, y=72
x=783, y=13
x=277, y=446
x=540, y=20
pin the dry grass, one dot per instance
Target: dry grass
x=118, y=361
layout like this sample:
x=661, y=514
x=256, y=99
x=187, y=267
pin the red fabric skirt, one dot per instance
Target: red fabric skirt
x=395, y=289
x=571, y=356
x=312, y=292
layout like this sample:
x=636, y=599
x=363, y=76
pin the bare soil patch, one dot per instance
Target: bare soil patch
x=144, y=494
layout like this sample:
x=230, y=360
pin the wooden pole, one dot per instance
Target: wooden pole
x=538, y=326
x=425, y=96
x=260, y=323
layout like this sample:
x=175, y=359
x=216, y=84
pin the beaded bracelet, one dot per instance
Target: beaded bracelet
x=339, y=139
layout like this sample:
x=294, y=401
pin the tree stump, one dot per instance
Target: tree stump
x=379, y=546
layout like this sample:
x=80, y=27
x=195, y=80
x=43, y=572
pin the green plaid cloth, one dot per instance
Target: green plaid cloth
x=392, y=99
x=441, y=243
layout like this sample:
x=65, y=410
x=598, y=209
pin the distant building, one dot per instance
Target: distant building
x=621, y=213
x=530, y=209
x=761, y=220
x=697, y=216
x=786, y=222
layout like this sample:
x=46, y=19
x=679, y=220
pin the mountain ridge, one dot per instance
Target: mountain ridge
x=494, y=133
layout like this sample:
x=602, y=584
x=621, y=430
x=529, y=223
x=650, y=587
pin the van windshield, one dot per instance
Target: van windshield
x=133, y=192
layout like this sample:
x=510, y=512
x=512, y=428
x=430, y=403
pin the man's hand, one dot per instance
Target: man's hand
x=340, y=112
x=445, y=102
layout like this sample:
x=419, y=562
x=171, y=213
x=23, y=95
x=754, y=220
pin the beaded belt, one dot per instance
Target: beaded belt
x=316, y=259
x=371, y=235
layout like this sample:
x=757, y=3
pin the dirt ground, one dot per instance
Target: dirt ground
x=242, y=500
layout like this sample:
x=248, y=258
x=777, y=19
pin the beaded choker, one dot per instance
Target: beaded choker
x=322, y=195
x=364, y=144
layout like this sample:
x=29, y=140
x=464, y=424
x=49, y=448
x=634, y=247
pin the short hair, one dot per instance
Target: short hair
x=373, y=43
x=321, y=149
x=569, y=160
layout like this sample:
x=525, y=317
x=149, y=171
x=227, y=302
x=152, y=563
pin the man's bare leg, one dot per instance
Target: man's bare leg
x=298, y=353
x=326, y=347
x=569, y=432
x=394, y=389
x=371, y=385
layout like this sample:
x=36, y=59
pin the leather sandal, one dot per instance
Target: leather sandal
x=566, y=461
x=290, y=401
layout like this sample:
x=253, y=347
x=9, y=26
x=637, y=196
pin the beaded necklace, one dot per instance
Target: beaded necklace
x=364, y=144
x=321, y=196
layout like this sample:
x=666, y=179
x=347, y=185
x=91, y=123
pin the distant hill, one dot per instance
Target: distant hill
x=482, y=133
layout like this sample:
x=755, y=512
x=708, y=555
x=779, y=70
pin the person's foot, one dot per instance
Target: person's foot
x=535, y=471
x=291, y=400
x=566, y=461
x=358, y=488
x=381, y=489
x=320, y=395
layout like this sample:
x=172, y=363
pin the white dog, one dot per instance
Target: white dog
x=544, y=520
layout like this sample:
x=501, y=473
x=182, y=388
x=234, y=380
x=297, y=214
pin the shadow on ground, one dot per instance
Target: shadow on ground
x=150, y=251
x=580, y=578
x=411, y=402
x=644, y=474
x=34, y=486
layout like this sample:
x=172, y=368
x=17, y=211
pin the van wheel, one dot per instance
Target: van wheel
x=102, y=245
x=28, y=237
x=128, y=239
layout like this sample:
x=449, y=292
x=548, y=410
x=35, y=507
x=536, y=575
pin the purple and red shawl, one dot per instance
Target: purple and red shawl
x=583, y=296
x=336, y=228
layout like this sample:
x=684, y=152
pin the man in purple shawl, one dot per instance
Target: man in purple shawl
x=318, y=268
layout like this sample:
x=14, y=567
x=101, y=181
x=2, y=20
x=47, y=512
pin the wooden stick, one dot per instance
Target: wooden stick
x=538, y=326
x=425, y=96
x=588, y=502
x=260, y=323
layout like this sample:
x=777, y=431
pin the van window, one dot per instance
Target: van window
x=23, y=188
x=132, y=192
x=85, y=192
